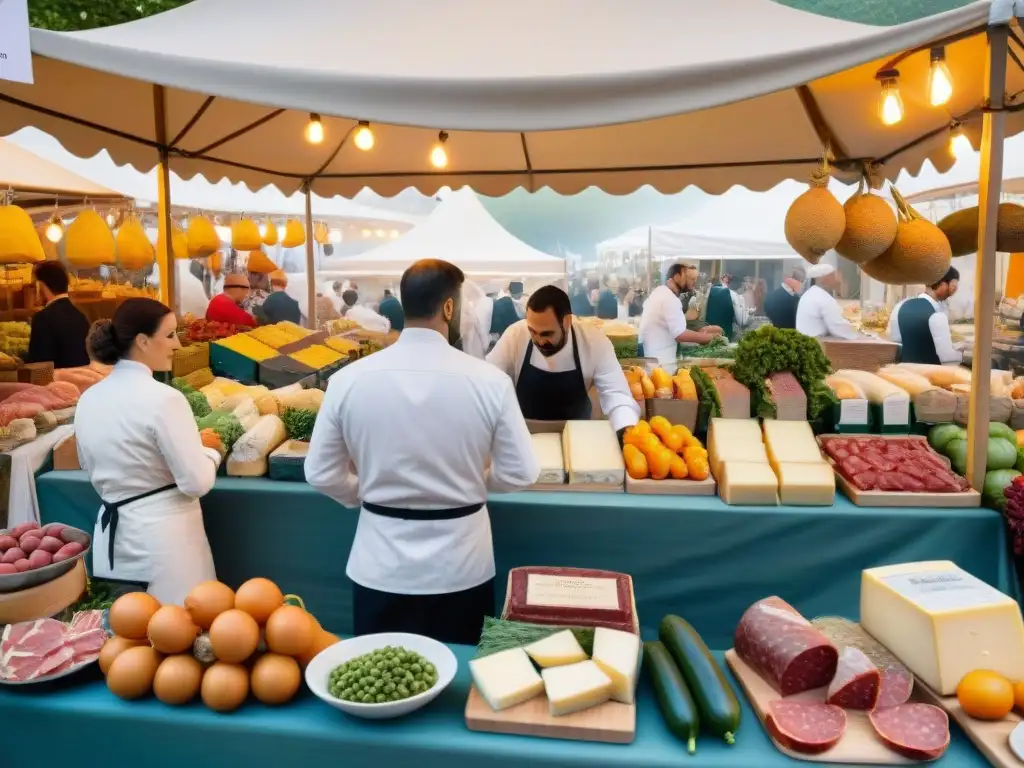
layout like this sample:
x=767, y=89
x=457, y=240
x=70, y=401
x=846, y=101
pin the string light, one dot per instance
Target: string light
x=379, y=233
x=940, y=81
x=890, y=104
x=314, y=129
x=364, y=138
x=263, y=229
x=335, y=236
x=394, y=234
x=439, y=155
x=959, y=145
x=55, y=229
x=367, y=233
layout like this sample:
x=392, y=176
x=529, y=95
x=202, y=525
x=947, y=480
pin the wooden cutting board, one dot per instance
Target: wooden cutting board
x=669, y=487
x=992, y=738
x=611, y=722
x=859, y=744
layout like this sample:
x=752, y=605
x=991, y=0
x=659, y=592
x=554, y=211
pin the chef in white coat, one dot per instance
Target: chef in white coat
x=416, y=435
x=554, y=360
x=139, y=444
x=818, y=314
x=663, y=322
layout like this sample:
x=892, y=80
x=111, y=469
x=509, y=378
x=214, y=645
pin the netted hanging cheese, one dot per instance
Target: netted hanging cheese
x=134, y=251
x=202, y=237
x=258, y=261
x=321, y=234
x=920, y=253
x=245, y=235
x=870, y=227
x=88, y=242
x=815, y=221
x=179, y=243
x=19, y=243
x=294, y=234
x=269, y=232
x=961, y=228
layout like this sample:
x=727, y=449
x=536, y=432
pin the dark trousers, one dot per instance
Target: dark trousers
x=456, y=617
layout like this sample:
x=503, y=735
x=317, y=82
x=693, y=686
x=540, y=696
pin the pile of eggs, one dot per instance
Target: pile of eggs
x=221, y=646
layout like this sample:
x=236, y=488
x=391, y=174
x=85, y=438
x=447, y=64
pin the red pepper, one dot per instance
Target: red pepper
x=1018, y=481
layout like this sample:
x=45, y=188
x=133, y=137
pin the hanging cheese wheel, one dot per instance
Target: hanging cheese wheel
x=294, y=234
x=245, y=235
x=88, y=242
x=269, y=232
x=216, y=261
x=202, y=237
x=19, y=243
x=260, y=262
x=321, y=234
x=179, y=243
x=134, y=251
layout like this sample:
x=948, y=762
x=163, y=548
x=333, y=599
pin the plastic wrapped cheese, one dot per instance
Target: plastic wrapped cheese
x=547, y=448
x=246, y=412
x=249, y=455
x=592, y=453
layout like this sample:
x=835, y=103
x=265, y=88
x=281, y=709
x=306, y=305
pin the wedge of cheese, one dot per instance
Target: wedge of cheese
x=942, y=622
x=790, y=442
x=748, y=482
x=617, y=653
x=547, y=448
x=556, y=650
x=812, y=484
x=592, y=453
x=734, y=440
x=506, y=678
x=575, y=687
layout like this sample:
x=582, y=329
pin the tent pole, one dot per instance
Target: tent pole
x=165, y=260
x=990, y=182
x=650, y=262
x=310, y=265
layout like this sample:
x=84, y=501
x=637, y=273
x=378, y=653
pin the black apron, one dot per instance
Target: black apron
x=111, y=515
x=547, y=396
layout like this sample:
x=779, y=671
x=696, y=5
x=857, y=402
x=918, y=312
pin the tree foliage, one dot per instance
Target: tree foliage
x=69, y=15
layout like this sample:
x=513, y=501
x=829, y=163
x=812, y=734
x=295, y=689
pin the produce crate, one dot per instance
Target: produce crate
x=228, y=363
x=859, y=355
x=306, y=341
x=676, y=411
x=287, y=461
x=282, y=371
x=39, y=374
x=190, y=359
x=9, y=376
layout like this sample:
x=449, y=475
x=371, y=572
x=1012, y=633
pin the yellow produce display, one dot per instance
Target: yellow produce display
x=88, y=242
x=248, y=347
x=279, y=334
x=344, y=346
x=134, y=250
x=14, y=338
x=19, y=242
x=317, y=356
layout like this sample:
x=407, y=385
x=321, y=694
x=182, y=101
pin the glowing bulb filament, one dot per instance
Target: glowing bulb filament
x=940, y=81
x=55, y=230
x=890, y=105
x=364, y=138
x=960, y=145
x=314, y=130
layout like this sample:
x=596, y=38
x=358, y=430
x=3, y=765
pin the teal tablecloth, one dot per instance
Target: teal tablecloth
x=90, y=728
x=689, y=555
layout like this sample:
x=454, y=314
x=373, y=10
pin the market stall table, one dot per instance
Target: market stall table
x=694, y=556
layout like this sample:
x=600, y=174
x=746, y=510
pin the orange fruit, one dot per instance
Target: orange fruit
x=642, y=427
x=678, y=468
x=1018, y=696
x=985, y=695
x=636, y=462
x=660, y=463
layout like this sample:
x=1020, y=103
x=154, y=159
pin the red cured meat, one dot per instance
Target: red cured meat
x=877, y=461
x=83, y=621
x=517, y=608
x=86, y=645
x=865, y=481
x=37, y=649
x=783, y=648
x=897, y=685
x=11, y=411
x=807, y=727
x=853, y=465
x=857, y=681
x=917, y=731
x=911, y=469
x=890, y=481
x=909, y=482
x=897, y=681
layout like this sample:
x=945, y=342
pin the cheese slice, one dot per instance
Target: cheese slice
x=942, y=622
x=506, y=678
x=808, y=485
x=734, y=440
x=748, y=482
x=556, y=650
x=617, y=653
x=575, y=687
x=592, y=453
x=790, y=442
x=547, y=447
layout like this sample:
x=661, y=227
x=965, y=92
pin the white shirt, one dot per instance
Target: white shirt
x=818, y=315
x=661, y=323
x=415, y=426
x=938, y=324
x=367, y=318
x=601, y=369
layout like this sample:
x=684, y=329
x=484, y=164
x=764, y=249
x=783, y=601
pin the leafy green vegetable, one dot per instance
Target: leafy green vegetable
x=707, y=394
x=718, y=347
x=298, y=422
x=227, y=427
x=182, y=386
x=198, y=403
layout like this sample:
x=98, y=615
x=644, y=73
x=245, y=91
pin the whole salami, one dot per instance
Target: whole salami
x=783, y=648
x=917, y=731
x=805, y=726
x=857, y=681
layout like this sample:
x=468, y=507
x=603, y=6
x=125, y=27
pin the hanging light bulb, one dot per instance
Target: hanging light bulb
x=364, y=137
x=366, y=233
x=890, y=104
x=959, y=145
x=335, y=236
x=439, y=155
x=184, y=222
x=263, y=229
x=314, y=129
x=393, y=234
x=55, y=229
x=379, y=233
x=940, y=82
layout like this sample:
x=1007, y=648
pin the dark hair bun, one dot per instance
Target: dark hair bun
x=102, y=343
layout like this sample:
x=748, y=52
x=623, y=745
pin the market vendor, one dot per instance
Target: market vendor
x=726, y=309
x=279, y=306
x=226, y=307
x=780, y=305
x=818, y=313
x=921, y=325
x=59, y=329
x=506, y=310
x=362, y=315
x=391, y=308
x=431, y=431
x=553, y=362
x=139, y=444
x=663, y=323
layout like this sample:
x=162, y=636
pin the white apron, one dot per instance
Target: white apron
x=159, y=540
x=666, y=357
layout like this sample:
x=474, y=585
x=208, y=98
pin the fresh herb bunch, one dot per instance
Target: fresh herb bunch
x=198, y=403
x=227, y=427
x=717, y=347
x=298, y=422
x=707, y=392
x=182, y=386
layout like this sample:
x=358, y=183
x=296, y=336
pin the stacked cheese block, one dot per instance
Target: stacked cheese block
x=571, y=681
x=588, y=451
x=782, y=464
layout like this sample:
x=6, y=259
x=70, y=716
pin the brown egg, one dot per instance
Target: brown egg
x=178, y=679
x=131, y=674
x=113, y=648
x=171, y=630
x=209, y=600
x=290, y=630
x=225, y=686
x=259, y=598
x=130, y=614
x=275, y=678
x=234, y=636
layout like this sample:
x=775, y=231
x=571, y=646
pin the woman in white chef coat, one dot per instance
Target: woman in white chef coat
x=138, y=441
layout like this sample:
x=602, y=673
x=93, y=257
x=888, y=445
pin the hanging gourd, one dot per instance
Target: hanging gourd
x=919, y=255
x=259, y=262
x=134, y=251
x=269, y=232
x=321, y=234
x=202, y=237
x=245, y=235
x=816, y=220
x=179, y=243
x=294, y=234
x=870, y=226
x=961, y=227
x=19, y=243
x=88, y=242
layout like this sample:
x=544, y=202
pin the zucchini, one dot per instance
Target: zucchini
x=674, y=700
x=717, y=705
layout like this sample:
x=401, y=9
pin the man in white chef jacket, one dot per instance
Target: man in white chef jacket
x=553, y=361
x=818, y=314
x=663, y=323
x=417, y=434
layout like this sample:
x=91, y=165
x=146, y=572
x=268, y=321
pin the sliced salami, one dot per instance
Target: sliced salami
x=857, y=681
x=807, y=727
x=783, y=648
x=917, y=731
x=897, y=682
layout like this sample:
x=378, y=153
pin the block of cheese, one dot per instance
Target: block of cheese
x=571, y=597
x=806, y=485
x=575, y=687
x=556, y=650
x=748, y=482
x=734, y=440
x=618, y=655
x=942, y=622
x=547, y=447
x=506, y=678
x=592, y=453
x=791, y=442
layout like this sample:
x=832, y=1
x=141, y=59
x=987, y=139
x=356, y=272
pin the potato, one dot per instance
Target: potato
x=66, y=552
x=23, y=565
x=12, y=555
x=23, y=528
x=6, y=542
x=34, y=532
x=30, y=544
x=54, y=529
x=39, y=558
x=51, y=544
x=7, y=568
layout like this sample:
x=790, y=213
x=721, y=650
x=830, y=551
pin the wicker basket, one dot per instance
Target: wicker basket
x=39, y=374
x=859, y=355
x=190, y=359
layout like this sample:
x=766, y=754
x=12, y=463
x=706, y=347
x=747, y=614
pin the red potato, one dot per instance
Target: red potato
x=39, y=558
x=23, y=565
x=30, y=544
x=12, y=555
x=67, y=551
x=6, y=569
x=36, y=533
x=23, y=528
x=51, y=544
x=54, y=529
x=6, y=542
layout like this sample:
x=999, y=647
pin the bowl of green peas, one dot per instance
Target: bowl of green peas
x=381, y=676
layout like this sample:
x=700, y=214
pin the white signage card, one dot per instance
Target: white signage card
x=853, y=411
x=572, y=592
x=15, y=48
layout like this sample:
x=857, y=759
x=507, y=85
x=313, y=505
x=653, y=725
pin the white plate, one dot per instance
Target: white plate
x=1017, y=741
x=319, y=671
